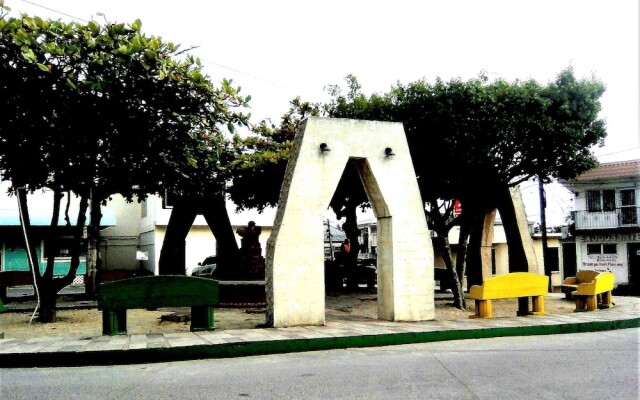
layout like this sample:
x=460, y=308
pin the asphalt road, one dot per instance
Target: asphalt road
x=601, y=365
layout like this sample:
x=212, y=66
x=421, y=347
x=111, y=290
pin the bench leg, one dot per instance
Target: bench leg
x=538, y=305
x=483, y=309
x=592, y=303
x=607, y=300
x=585, y=302
x=580, y=303
x=114, y=322
x=523, y=307
x=202, y=319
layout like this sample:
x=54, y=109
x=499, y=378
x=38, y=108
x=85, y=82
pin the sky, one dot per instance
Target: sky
x=277, y=50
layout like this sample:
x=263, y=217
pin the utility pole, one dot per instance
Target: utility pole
x=330, y=241
x=543, y=226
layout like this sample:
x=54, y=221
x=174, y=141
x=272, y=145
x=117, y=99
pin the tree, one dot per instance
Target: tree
x=261, y=158
x=97, y=110
x=472, y=140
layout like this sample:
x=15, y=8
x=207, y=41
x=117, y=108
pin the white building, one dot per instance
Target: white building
x=606, y=218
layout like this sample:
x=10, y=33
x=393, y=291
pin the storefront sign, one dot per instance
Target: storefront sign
x=611, y=237
x=607, y=263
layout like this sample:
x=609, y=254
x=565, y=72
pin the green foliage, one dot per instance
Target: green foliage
x=261, y=158
x=103, y=109
x=471, y=137
x=110, y=108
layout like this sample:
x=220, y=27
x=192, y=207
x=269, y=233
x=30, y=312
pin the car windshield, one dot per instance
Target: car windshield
x=209, y=260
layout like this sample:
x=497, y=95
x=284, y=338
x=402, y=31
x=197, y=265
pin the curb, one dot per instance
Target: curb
x=266, y=347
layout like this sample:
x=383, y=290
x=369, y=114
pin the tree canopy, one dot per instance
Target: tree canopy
x=469, y=140
x=99, y=109
x=108, y=107
x=479, y=134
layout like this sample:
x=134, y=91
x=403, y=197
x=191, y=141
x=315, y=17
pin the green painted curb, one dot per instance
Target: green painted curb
x=243, y=349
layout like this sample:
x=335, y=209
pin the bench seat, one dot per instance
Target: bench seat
x=521, y=285
x=596, y=294
x=153, y=292
x=571, y=283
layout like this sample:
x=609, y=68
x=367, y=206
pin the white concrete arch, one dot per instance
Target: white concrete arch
x=295, y=249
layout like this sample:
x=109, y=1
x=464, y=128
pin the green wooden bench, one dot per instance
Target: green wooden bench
x=153, y=292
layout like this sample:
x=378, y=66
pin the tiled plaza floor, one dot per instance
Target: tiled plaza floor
x=338, y=332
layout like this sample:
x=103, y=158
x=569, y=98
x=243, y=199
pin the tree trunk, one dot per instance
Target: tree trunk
x=48, y=299
x=543, y=230
x=441, y=224
x=93, y=232
x=46, y=286
x=458, y=295
x=461, y=257
x=171, y=260
x=227, y=251
x=474, y=255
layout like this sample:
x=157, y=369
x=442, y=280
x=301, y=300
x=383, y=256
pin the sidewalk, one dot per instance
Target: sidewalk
x=338, y=332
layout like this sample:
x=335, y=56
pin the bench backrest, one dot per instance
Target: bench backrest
x=158, y=291
x=603, y=282
x=586, y=275
x=514, y=284
x=11, y=278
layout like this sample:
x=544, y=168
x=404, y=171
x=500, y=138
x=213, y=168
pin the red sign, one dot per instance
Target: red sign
x=457, y=208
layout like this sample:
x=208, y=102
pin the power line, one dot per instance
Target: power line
x=253, y=76
x=617, y=152
x=53, y=10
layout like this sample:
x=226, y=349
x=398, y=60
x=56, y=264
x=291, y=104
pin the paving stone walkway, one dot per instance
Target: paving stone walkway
x=339, y=331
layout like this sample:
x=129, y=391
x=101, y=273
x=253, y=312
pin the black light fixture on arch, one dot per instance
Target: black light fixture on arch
x=324, y=148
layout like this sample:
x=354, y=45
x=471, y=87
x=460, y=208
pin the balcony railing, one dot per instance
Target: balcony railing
x=621, y=217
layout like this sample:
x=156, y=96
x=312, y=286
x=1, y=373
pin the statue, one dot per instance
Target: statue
x=251, y=260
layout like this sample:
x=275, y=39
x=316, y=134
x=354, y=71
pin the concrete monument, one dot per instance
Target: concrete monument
x=295, y=254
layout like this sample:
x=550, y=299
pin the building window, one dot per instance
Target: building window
x=168, y=200
x=601, y=200
x=597, y=248
x=628, y=209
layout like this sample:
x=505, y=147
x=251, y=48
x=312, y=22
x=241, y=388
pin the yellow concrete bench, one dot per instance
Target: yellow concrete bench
x=571, y=283
x=595, y=294
x=521, y=285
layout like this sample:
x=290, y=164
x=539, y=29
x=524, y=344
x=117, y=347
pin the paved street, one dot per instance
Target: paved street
x=599, y=365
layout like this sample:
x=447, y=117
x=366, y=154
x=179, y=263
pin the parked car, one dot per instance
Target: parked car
x=206, y=268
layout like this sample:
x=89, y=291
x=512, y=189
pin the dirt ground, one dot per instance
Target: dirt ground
x=84, y=323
